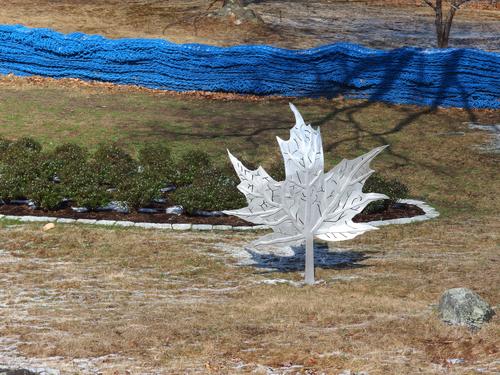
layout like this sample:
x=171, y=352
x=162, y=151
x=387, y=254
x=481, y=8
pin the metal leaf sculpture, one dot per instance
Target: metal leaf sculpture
x=309, y=203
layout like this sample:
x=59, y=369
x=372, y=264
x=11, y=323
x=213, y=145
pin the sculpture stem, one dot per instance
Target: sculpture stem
x=309, y=272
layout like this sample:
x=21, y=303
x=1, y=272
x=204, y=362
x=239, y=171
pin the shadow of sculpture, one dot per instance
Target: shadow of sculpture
x=292, y=258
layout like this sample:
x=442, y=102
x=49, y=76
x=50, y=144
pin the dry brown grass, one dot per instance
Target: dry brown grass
x=289, y=24
x=173, y=302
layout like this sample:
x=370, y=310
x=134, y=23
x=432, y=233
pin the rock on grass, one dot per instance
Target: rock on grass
x=462, y=306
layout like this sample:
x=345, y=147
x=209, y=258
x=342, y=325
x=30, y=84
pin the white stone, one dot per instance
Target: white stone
x=105, y=222
x=86, y=221
x=163, y=226
x=243, y=228
x=124, y=223
x=145, y=225
x=202, y=227
x=181, y=226
x=64, y=220
x=222, y=227
x=153, y=225
x=38, y=218
x=12, y=217
x=48, y=226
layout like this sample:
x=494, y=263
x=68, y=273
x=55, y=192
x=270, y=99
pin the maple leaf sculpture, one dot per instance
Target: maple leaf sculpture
x=309, y=203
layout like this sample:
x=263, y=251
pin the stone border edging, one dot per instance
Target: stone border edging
x=430, y=213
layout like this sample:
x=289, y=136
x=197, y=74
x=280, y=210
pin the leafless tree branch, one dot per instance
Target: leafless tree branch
x=443, y=22
x=429, y=3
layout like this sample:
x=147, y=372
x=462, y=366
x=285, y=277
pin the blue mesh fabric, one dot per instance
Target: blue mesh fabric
x=465, y=78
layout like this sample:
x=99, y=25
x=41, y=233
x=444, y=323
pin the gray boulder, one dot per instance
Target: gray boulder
x=462, y=306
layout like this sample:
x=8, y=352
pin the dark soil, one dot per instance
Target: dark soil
x=392, y=211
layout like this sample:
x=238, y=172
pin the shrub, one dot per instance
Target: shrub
x=84, y=187
x=156, y=160
x=46, y=193
x=15, y=180
x=113, y=164
x=30, y=173
x=28, y=144
x=65, y=159
x=19, y=168
x=211, y=190
x=139, y=190
x=4, y=145
x=20, y=150
x=393, y=188
x=70, y=153
x=190, y=166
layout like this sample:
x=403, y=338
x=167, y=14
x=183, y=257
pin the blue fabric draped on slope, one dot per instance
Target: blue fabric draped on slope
x=450, y=78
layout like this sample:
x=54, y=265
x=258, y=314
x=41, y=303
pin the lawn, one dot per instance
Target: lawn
x=432, y=151
x=144, y=301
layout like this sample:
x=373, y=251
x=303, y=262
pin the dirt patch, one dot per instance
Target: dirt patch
x=13, y=81
x=393, y=211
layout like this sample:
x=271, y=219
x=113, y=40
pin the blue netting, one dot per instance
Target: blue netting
x=450, y=78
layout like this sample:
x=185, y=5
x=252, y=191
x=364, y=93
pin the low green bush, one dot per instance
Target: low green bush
x=4, y=145
x=211, y=190
x=46, y=193
x=113, y=164
x=15, y=180
x=70, y=154
x=139, y=190
x=393, y=188
x=19, y=168
x=27, y=143
x=156, y=160
x=70, y=172
x=189, y=167
x=84, y=187
x=66, y=159
x=20, y=150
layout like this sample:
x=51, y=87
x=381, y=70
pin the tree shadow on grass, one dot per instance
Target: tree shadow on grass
x=449, y=78
x=449, y=82
x=292, y=258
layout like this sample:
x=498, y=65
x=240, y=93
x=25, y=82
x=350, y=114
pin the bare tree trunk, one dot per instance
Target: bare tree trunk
x=443, y=24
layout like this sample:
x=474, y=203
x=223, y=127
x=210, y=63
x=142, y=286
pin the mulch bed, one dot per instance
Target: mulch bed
x=394, y=211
